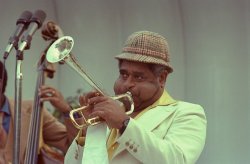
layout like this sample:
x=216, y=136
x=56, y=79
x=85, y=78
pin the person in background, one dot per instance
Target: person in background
x=52, y=133
x=161, y=129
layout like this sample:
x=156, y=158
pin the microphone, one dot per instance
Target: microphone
x=36, y=22
x=22, y=24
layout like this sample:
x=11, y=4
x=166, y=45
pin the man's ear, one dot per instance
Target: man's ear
x=163, y=77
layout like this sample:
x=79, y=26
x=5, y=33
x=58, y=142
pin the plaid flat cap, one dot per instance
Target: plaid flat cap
x=146, y=47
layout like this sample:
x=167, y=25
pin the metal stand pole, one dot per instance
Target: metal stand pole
x=17, y=109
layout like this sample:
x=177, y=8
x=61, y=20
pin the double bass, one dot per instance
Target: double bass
x=45, y=155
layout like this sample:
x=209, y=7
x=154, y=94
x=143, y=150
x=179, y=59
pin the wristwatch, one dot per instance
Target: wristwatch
x=124, y=125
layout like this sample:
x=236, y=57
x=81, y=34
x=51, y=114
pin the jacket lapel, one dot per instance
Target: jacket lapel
x=154, y=117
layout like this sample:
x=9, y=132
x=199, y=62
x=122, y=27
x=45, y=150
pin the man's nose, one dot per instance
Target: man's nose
x=129, y=83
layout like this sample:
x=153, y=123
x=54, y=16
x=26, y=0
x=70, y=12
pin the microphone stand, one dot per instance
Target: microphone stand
x=17, y=107
x=36, y=22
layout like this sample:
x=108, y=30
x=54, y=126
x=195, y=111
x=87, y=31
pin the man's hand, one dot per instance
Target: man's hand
x=105, y=107
x=48, y=93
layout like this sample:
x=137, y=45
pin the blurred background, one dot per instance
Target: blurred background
x=209, y=43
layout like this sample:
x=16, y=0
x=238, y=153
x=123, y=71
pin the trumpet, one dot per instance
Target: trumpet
x=59, y=51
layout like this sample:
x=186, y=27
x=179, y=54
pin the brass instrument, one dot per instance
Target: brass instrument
x=60, y=51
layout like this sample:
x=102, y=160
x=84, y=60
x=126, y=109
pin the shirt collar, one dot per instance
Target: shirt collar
x=164, y=100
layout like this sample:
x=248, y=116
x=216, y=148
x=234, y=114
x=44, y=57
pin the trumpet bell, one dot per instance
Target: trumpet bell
x=60, y=49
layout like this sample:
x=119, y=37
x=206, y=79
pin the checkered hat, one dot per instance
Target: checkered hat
x=146, y=47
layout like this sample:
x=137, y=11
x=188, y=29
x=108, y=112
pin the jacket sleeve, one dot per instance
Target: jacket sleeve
x=57, y=134
x=182, y=141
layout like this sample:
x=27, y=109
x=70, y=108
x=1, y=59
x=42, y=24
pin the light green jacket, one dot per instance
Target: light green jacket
x=168, y=134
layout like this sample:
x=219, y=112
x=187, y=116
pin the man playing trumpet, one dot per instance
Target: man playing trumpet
x=161, y=129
